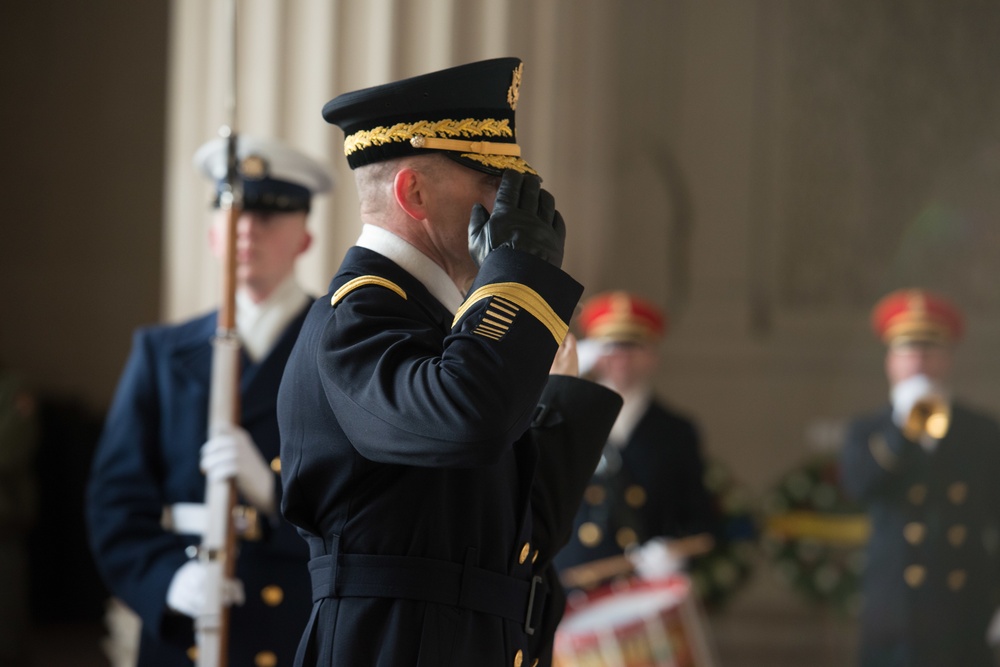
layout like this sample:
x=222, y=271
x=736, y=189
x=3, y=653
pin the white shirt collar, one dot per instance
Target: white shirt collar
x=414, y=262
x=261, y=324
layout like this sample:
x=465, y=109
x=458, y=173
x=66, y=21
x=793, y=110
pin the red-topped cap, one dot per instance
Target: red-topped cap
x=622, y=317
x=916, y=316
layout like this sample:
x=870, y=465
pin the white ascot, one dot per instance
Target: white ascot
x=634, y=406
x=260, y=325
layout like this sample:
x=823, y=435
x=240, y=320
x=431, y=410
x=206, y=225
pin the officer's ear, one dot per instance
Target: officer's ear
x=410, y=190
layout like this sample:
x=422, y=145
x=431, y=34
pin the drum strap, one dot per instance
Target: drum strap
x=464, y=585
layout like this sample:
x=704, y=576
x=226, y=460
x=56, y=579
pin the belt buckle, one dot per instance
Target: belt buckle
x=535, y=580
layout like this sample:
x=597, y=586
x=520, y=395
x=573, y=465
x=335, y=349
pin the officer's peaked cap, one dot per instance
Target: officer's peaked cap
x=465, y=112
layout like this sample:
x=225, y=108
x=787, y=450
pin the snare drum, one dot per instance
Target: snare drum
x=633, y=624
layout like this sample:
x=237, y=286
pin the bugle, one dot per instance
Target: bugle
x=929, y=416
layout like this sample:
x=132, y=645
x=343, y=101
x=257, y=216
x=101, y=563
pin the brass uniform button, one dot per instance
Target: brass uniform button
x=265, y=659
x=192, y=654
x=518, y=658
x=276, y=464
x=635, y=496
x=272, y=595
x=626, y=537
x=914, y=575
x=525, y=550
x=956, y=535
x=956, y=580
x=534, y=557
x=594, y=495
x=589, y=534
x=957, y=492
x=914, y=532
x=534, y=663
x=917, y=494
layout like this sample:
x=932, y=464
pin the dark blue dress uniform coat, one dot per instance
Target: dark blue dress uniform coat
x=933, y=568
x=653, y=486
x=409, y=466
x=148, y=458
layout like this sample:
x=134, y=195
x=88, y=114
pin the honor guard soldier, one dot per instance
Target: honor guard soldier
x=926, y=466
x=145, y=494
x=648, y=489
x=430, y=459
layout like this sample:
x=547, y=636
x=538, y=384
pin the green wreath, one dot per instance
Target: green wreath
x=814, y=535
x=719, y=574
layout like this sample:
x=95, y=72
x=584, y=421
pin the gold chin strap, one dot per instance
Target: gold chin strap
x=480, y=147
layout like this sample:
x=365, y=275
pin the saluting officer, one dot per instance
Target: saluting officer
x=147, y=486
x=429, y=458
x=927, y=467
x=649, y=485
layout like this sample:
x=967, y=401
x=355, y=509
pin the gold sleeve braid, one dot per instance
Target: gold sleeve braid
x=362, y=281
x=523, y=297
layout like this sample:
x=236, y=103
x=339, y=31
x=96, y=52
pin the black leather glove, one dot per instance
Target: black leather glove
x=524, y=218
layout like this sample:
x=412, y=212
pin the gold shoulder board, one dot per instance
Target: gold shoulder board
x=362, y=281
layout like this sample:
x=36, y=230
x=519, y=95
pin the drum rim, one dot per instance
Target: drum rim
x=677, y=583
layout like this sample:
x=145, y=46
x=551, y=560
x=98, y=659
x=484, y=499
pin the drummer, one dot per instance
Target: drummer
x=648, y=489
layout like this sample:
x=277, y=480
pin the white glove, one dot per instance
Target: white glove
x=187, y=590
x=993, y=630
x=906, y=393
x=588, y=351
x=655, y=560
x=232, y=453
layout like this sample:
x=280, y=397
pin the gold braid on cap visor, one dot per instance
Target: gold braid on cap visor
x=438, y=135
x=916, y=327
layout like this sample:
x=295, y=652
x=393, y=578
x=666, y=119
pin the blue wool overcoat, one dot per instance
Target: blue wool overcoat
x=147, y=459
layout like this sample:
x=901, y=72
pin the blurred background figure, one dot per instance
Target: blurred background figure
x=144, y=502
x=646, y=508
x=927, y=468
x=18, y=440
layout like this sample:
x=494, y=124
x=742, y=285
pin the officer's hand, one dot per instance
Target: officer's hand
x=232, y=453
x=524, y=218
x=186, y=593
x=566, y=361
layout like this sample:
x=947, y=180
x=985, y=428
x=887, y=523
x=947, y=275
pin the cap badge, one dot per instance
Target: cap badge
x=515, y=87
x=253, y=167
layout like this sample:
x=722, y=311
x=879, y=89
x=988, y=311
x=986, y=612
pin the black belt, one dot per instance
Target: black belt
x=430, y=580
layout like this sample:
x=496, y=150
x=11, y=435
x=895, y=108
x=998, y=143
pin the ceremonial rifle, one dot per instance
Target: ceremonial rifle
x=218, y=545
